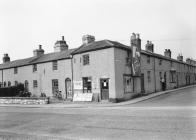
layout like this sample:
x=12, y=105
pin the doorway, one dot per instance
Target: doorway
x=142, y=83
x=68, y=89
x=104, y=86
x=55, y=87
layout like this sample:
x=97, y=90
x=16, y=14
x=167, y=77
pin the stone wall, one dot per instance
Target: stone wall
x=23, y=100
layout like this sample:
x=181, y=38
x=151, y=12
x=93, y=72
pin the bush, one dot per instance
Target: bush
x=12, y=91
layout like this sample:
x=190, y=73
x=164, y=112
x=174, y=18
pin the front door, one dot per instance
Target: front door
x=68, y=89
x=55, y=87
x=104, y=86
x=142, y=83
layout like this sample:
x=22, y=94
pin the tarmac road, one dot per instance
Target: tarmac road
x=160, y=118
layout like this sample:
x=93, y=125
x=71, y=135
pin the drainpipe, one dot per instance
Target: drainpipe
x=154, y=75
x=72, y=76
x=2, y=75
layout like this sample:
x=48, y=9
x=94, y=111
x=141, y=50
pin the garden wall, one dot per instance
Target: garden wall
x=23, y=100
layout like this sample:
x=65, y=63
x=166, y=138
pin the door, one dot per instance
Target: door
x=142, y=83
x=165, y=81
x=104, y=86
x=55, y=87
x=68, y=89
x=26, y=85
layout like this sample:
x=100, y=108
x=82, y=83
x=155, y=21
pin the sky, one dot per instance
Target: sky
x=24, y=24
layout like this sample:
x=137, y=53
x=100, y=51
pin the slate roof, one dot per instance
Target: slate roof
x=163, y=57
x=41, y=59
x=97, y=45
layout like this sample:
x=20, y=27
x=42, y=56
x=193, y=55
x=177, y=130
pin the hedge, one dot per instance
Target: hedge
x=11, y=91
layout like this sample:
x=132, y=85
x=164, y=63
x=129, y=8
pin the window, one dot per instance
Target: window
x=34, y=83
x=16, y=83
x=1, y=85
x=86, y=59
x=87, y=84
x=9, y=83
x=127, y=84
x=148, y=59
x=160, y=75
x=15, y=70
x=149, y=76
x=172, y=76
x=4, y=84
x=171, y=64
x=54, y=65
x=195, y=77
x=34, y=67
x=160, y=61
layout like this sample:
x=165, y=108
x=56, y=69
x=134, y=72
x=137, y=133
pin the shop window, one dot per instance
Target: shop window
x=4, y=84
x=87, y=86
x=15, y=70
x=148, y=59
x=127, y=84
x=149, y=76
x=35, y=84
x=55, y=65
x=9, y=83
x=34, y=67
x=16, y=83
x=85, y=59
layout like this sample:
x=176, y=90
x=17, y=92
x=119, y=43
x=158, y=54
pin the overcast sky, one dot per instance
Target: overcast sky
x=24, y=24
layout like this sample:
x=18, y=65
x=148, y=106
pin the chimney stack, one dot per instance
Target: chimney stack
x=149, y=46
x=136, y=41
x=180, y=57
x=188, y=61
x=38, y=52
x=60, y=45
x=86, y=39
x=167, y=53
x=6, y=58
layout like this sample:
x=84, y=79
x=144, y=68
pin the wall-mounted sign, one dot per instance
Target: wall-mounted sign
x=78, y=84
x=84, y=97
x=136, y=70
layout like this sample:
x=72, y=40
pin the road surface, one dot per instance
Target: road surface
x=160, y=118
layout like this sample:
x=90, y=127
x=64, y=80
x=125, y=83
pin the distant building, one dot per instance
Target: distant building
x=108, y=69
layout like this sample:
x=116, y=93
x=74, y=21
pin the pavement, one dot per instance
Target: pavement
x=97, y=104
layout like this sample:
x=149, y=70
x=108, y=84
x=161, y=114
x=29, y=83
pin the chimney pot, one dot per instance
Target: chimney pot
x=40, y=47
x=6, y=58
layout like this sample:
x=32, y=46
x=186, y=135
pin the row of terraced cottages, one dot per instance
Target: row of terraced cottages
x=108, y=69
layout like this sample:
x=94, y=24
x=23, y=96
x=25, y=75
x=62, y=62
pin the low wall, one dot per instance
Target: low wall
x=23, y=100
